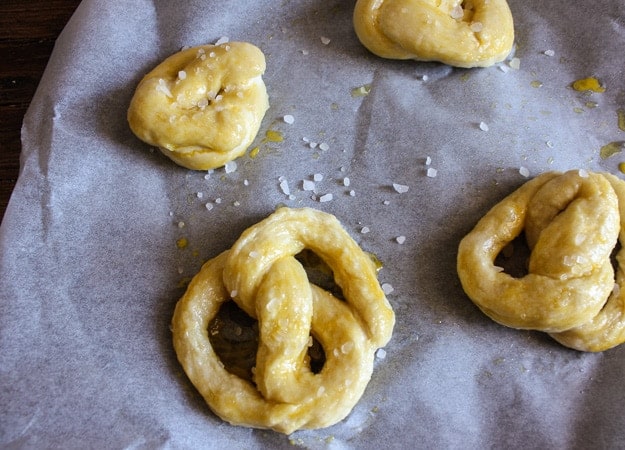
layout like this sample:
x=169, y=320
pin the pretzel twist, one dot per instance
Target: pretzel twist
x=262, y=276
x=571, y=223
x=475, y=33
x=203, y=106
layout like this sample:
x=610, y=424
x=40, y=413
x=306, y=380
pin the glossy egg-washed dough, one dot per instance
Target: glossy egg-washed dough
x=261, y=275
x=572, y=222
x=472, y=33
x=203, y=106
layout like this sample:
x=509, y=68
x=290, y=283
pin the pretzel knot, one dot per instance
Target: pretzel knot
x=203, y=106
x=262, y=276
x=461, y=33
x=572, y=223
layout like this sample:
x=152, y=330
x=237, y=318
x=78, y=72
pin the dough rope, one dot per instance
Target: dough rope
x=203, y=106
x=471, y=33
x=260, y=274
x=572, y=222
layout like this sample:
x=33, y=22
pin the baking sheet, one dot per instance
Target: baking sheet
x=90, y=270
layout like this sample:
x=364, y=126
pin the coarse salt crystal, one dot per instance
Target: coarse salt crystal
x=380, y=353
x=346, y=181
x=400, y=239
x=431, y=172
x=504, y=68
x=289, y=119
x=457, y=12
x=515, y=63
x=583, y=173
x=209, y=206
x=326, y=198
x=365, y=230
x=222, y=40
x=524, y=171
x=400, y=188
x=246, y=182
x=323, y=146
x=476, y=27
x=325, y=40
x=549, y=52
x=200, y=194
x=181, y=224
x=387, y=288
x=428, y=160
x=236, y=203
x=318, y=177
x=308, y=185
x=230, y=166
x=284, y=186
x=352, y=193
x=233, y=293
x=386, y=202
x=253, y=254
x=484, y=126
x=162, y=87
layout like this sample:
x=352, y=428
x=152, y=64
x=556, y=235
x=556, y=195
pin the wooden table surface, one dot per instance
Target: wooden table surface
x=28, y=30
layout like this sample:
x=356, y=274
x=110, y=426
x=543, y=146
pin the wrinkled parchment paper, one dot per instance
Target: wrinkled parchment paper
x=91, y=270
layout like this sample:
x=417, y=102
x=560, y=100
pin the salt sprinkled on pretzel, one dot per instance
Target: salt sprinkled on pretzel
x=571, y=222
x=203, y=106
x=469, y=33
x=264, y=279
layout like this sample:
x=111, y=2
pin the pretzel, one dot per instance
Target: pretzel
x=572, y=222
x=471, y=33
x=260, y=274
x=203, y=106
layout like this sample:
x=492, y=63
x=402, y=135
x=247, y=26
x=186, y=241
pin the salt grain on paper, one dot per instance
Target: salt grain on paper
x=400, y=239
x=387, y=288
x=515, y=63
x=431, y=173
x=222, y=40
x=326, y=198
x=318, y=177
x=289, y=119
x=400, y=188
x=365, y=230
x=484, y=126
x=549, y=52
x=524, y=171
x=308, y=185
x=323, y=146
x=230, y=166
x=380, y=353
x=325, y=40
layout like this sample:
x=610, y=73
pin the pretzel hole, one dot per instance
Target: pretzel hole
x=234, y=338
x=514, y=257
x=319, y=272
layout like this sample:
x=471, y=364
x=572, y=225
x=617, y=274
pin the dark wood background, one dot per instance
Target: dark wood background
x=28, y=30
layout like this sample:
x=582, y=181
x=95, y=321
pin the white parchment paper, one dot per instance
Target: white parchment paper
x=90, y=270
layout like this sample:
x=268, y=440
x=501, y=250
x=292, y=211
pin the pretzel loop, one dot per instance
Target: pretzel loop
x=262, y=276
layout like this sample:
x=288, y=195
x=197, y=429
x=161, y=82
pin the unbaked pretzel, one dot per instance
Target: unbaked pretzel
x=203, y=106
x=469, y=33
x=571, y=223
x=262, y=276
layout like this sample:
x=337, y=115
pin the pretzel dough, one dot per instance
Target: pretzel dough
x=571, y=222
x=471, y=33
x=264, y=279
x=202, y=107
